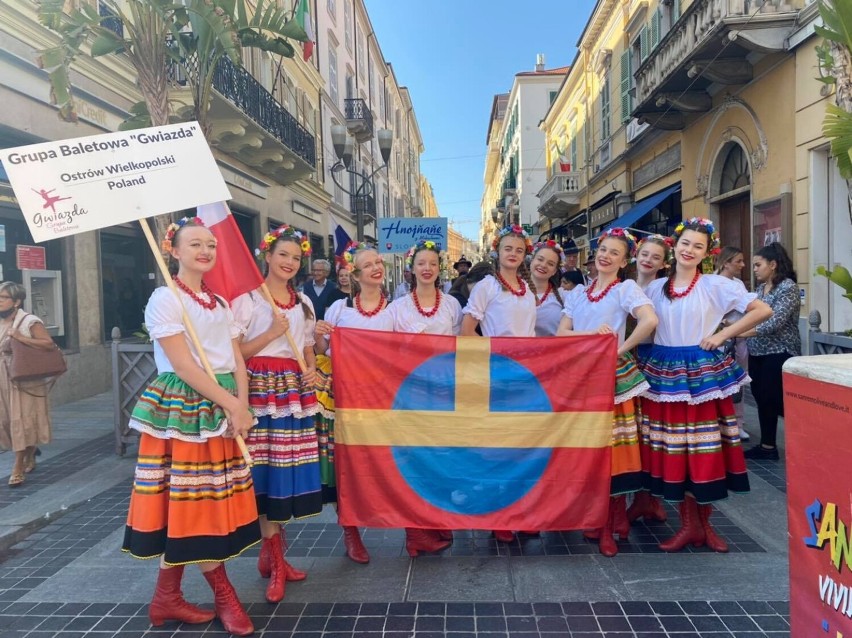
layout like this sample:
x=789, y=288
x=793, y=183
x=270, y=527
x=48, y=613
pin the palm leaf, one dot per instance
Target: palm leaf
x=837, y=127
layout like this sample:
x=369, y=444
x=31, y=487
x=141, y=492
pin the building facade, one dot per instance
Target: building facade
x=675, y=109
x=267, y=121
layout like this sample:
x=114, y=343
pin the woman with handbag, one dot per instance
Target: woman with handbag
x=24, y=416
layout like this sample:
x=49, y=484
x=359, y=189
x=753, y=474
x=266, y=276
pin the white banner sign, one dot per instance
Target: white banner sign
x=73, y=186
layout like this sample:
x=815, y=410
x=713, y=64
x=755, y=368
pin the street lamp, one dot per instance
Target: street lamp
x=344, y=148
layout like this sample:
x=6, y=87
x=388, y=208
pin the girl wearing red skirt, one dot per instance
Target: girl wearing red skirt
x=691, y=446
x=283, y=445
x=603, y=308
x=192, y=499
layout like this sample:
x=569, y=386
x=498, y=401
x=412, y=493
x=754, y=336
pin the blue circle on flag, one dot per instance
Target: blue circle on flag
x=471, y=480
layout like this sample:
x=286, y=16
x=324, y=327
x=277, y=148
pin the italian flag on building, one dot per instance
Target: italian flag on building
x=303, y=16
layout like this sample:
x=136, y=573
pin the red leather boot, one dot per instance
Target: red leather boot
x=646, y=506
x=229, y=609
x=168, y=603
x=714, y=541
x=690, y=528
x=606, y=543
x=444, y=534
x=421, y=540
x=265, y=568
x=354, y=545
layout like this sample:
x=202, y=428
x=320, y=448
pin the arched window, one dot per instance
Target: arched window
x=735, y=173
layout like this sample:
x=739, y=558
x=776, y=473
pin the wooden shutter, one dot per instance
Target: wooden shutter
x=626, y=105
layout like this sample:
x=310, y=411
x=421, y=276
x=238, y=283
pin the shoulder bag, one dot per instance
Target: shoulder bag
x=30, y=364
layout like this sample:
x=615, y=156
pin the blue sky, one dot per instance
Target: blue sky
x=454, y=56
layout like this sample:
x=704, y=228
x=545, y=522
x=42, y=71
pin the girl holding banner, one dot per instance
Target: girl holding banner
x=193, y=498
x=546, y=276
x=283, y=445
x=503, y=304
x=603, y=308
x=366, y=309
x=691, y=448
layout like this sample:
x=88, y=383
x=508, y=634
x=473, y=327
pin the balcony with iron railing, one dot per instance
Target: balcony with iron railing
x=714, y=42
x=247, y=122
x=560, y=196
x=359, y=119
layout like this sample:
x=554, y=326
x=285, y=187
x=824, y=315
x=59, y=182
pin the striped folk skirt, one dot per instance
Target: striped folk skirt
x=324, y=421
x=692, y=449
x=283, y=444
x=192, y=498
x=626, y=456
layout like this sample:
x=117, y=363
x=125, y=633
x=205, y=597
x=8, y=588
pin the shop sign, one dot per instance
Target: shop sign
x=602, y=215
x=30, y=258
x=528, y=229
x=398, y=234
x=73, y=186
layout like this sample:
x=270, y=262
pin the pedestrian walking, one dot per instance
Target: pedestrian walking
x=772, y=342
x=426, y=310
x=603, y=308
x=693, y=453
x=545, y=274
x=503, y=304
x=730, y=263
x=283, y=444
x=366, y=309
x=193, y=499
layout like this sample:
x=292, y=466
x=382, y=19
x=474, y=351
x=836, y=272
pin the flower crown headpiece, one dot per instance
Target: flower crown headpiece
x=513, y=229
x=423, y=244
x=172, y=229
x=621, y=233
x=668, y=244
x=350, y=251
x=715, y=244
x=552, y=244
x=284, y=230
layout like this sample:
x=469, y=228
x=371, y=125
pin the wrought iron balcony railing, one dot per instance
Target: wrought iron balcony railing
x=357, y=109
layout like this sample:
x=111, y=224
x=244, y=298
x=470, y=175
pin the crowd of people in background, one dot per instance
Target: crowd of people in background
x=685, y=337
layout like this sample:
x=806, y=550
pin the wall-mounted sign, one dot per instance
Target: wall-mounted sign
x=398, y=234
x=30, y=258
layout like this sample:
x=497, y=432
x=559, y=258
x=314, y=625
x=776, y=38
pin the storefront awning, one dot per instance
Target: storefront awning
x=641, y=209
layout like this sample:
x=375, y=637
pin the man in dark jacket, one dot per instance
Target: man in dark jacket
x=321, y=291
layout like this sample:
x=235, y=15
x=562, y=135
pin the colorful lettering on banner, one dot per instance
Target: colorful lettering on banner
x=472, y=433
x=817, y=426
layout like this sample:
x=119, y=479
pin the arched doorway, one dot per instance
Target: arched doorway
x=734, y=203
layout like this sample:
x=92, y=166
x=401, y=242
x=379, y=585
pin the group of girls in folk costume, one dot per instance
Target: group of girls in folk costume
x=690, y=439
x=603, y=307
x=546, y=277
x=194, y=498
x=283, y=444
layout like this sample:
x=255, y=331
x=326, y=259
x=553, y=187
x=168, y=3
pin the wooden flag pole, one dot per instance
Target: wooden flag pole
x=190, y=329
x=300, y=357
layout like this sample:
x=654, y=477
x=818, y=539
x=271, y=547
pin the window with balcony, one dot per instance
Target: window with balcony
x=606, y=114
x=347, y=25
x=573, y=147
x=350, y=86
x=333, y=89
x=670, y=12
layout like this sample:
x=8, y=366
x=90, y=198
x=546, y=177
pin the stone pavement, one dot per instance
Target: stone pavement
x=62, y=574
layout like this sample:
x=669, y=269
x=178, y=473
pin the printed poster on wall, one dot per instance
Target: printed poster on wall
x=72, y=186
x=818, y=422
x=398, y=234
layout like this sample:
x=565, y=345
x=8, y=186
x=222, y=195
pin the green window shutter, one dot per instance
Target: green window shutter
x=574, y=149
x=675, y=11
x=656, y=21
x=626, y=106
x=643, y=42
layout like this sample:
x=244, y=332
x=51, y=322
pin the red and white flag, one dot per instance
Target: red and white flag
x=303, y=17
x=236, y=271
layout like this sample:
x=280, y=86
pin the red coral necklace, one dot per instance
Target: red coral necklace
x=293, y=298
x=430, y=313
x=679, y=295
x=546, y=293
x=374, y=311
x=590, y=290
x=210, y=303
x=518, y=293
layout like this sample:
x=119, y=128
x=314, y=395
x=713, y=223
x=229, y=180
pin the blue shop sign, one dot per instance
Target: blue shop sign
x=398, y=234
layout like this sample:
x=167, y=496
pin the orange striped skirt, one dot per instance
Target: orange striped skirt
x=626, y=455
x=191, y=502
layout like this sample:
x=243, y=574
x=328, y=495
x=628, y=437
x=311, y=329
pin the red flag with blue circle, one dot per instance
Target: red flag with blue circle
x=434, y=431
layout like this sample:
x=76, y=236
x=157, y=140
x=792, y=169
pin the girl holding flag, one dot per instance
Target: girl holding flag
x=504, y=304
x=366, y=309
x=546, y=277
x=691, y=444
x=283, y=445
x=193, y=499
x=603, y=308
